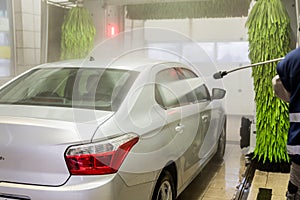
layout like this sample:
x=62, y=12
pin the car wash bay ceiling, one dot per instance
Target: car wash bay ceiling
x=174, y=9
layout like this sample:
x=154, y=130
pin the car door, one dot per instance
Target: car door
x=187, y=117
x=198, y=112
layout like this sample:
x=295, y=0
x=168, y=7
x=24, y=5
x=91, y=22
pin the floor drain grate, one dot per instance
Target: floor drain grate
x=264, y=194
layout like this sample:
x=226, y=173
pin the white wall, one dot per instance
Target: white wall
x=28, y=34
x=221, y=35
x=97, y=11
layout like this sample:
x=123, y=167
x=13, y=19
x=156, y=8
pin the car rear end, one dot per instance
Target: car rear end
x=50, y=159
x=46, y=146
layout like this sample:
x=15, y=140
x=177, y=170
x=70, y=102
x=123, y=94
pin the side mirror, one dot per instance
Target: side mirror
x=218, y=93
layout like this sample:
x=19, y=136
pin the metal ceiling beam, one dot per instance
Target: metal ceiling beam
x=131, y=2
x=62, y=3
x=71, y=3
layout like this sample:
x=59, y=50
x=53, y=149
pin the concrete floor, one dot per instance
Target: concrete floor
x=277, y=182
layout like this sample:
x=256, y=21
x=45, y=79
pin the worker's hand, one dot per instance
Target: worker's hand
x=279, y=89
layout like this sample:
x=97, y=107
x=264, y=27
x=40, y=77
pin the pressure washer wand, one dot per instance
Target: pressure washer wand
x=221, y=74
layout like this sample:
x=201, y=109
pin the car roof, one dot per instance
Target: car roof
x=133, y=64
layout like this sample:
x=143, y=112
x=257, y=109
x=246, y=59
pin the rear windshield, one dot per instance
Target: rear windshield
x=101, y=89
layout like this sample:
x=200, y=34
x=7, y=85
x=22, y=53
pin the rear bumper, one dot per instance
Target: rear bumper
x=107, y=187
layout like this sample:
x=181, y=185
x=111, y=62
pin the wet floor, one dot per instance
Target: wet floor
x=219, y=180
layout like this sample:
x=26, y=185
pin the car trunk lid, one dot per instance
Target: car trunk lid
x=32, y=143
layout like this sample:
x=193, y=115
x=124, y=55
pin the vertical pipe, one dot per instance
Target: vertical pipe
x=44, y=31
x=298, y=22
x=12, y=28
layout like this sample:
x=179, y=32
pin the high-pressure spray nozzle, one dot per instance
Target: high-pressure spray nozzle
x=221, y=74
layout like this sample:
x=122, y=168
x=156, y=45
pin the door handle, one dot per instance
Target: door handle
x=179, y=128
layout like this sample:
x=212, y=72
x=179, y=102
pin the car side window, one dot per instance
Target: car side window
x=201, y=92
x=163, y=89
x=174, y=88
x=186, y=73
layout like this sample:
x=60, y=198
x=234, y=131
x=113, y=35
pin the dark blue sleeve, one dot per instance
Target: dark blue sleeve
x=283, y=72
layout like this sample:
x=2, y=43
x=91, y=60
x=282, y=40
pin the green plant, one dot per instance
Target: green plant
x=78, y=34
x=269, y=37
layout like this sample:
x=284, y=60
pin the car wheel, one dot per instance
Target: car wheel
x=164, y=189
x=221, y=144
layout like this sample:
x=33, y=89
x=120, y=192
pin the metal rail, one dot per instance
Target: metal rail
x=244, y=187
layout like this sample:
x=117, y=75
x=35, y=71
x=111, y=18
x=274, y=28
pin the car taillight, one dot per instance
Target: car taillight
x=103, y=157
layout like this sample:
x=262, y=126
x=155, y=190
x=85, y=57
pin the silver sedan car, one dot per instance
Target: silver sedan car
x=131, y=130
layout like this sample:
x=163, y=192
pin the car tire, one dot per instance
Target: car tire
x=164, y=188
x=221, y=144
